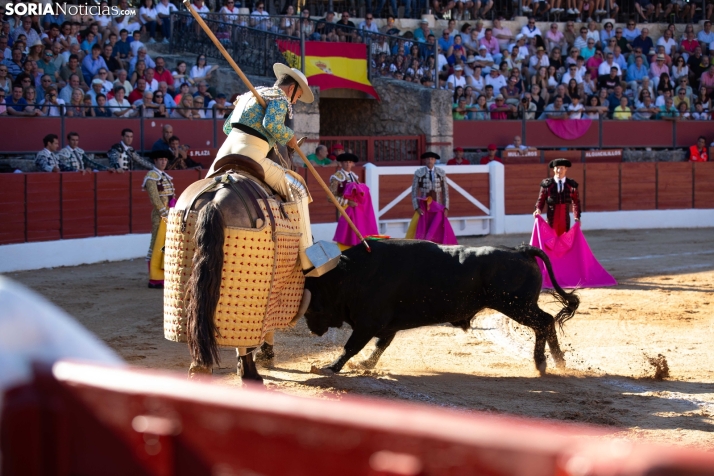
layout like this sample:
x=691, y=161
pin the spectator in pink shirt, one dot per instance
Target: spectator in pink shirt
x=657, y=68
x=491, y=44
x=500, y=110
x=707, y=80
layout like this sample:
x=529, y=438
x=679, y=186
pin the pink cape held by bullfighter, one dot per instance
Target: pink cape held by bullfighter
x=574, y=265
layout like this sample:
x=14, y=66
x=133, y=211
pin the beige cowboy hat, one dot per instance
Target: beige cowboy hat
x=280, y=69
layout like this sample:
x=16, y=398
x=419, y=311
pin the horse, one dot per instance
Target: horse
x=235, y=197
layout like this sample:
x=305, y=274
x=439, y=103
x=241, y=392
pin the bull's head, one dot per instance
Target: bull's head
x=320, y=315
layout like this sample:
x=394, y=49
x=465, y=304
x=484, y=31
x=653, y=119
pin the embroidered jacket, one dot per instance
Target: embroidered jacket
x=160, y=187
x=75, y=160
x=269, y=122
x=337, y=185
x=430, y=183
x=46, y=161
x=568, y=196
x=125, y=158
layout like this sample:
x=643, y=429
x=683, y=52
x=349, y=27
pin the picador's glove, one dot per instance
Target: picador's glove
x=291, y=151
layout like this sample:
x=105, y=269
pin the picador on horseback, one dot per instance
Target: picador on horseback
x=238, y=242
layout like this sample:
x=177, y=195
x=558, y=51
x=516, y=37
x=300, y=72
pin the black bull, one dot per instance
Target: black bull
x=404, y=284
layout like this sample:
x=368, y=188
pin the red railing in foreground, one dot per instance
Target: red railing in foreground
x=85, y=419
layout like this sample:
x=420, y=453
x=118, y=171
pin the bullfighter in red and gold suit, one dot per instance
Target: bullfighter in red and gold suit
x=561, y=196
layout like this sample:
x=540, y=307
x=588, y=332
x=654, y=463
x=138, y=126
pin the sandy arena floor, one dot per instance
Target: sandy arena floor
x=664, y=305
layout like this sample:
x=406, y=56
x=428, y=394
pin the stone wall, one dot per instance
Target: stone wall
x=404, y=109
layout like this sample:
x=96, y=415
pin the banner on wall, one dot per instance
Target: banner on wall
x=331, y=65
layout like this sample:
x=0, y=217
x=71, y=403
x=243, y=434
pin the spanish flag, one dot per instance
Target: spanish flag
x=331, y=65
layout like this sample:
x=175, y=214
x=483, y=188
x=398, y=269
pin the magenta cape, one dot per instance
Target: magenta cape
x=362, y=215
x=433, y=225
x=574, y=265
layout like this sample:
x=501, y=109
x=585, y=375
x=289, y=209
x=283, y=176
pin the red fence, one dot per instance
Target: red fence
x=620, y=186
x=608, y=134
x=97, y=135
x=53, y=206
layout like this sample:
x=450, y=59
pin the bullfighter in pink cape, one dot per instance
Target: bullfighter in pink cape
x=356, y=200
x=574, y=265
x=430, y=199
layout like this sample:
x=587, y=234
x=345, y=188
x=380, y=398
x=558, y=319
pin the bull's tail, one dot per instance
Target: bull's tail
x=570, y=301
x=204, y=285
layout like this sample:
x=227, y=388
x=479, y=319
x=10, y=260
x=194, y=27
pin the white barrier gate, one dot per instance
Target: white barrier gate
x=493, y=222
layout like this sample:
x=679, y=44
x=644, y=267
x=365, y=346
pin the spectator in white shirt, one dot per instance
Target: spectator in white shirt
x=538, y=60
x=164, y=9
x=149, y=17
x=119, y=106
x=519, y=146
x=572, y=73
x=52, y=106
x=457, y=79
x=495, y=79
x=575, y=109
x=201, y=70
x=606, y=66
x=259, y=18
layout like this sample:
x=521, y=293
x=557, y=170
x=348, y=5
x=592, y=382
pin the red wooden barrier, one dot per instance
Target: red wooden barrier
x=24, y=134
x=390, y=186
x=674, y=185
x=478, y=134
x=637, y=133
x=99, y=134
x=521, y=185
x=12, y=208
x=44, y=221
x=140, y=205
x=601, y=194
x=113, y=200
x=704, y=184
x=688, y=132
x=78, y=208
x=198, y=134
x=539, y=135
x=638, y=186
x=87, y=420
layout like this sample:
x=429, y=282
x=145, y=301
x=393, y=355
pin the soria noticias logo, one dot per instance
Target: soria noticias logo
x=23, y=9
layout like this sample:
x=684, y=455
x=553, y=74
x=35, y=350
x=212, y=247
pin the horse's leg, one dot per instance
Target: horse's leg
x=382, y=343
x=198, y=372
x=266, y=350
x=246, y=364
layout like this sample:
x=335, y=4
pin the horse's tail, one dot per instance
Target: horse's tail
x=570, y=301
x=204, y=286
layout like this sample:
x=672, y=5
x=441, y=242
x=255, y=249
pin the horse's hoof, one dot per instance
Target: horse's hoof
x=196, y=372
x=541, y=368
x=266, y=352
x=326, y=371
x=560, y=364
x=366, y=365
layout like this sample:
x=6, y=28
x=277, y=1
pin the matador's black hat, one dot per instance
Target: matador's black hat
x=347, y=156
x=559, y=163
x=427, y=155
x=161, y=154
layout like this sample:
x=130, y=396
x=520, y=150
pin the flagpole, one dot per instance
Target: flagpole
x=262, y=103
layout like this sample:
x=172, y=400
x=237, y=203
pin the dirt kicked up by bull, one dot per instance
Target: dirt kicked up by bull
x=405, y=284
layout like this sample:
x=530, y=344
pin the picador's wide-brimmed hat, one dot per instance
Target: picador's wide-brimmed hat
x=428, y=155
x=280, y=69
x=559, y=163
x=347, y=157
x=160, y=154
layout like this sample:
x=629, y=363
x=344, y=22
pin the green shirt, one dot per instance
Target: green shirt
x=316, y=161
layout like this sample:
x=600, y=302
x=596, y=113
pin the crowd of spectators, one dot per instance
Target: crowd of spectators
x=618, y=73
x=100, y=67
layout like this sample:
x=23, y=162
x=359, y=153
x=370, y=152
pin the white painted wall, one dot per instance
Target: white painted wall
x=49, y=254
